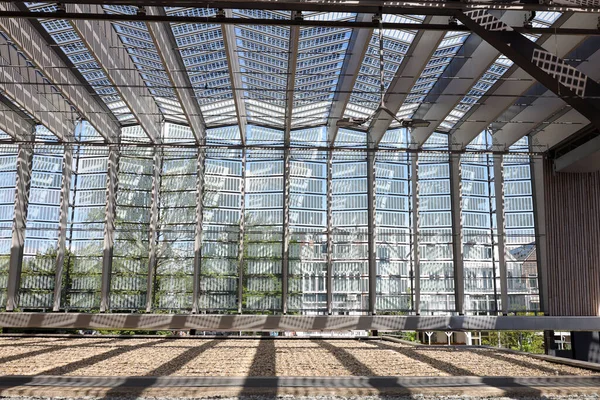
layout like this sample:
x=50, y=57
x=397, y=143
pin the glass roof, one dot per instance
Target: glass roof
x=366, y=94
x=263, y=53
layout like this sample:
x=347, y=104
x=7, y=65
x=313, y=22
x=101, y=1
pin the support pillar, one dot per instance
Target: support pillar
x=414, y=234
x=499, y=198
x=65, y=193
x=23, y=184
x=285, y=260
x=371, y=229
x=153, y=233
x=242, y=234
x=109, y=226
x=198, y=231
x=329, y=232
x=457, y=246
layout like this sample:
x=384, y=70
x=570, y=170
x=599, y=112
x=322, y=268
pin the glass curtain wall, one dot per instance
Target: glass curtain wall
x=8, y=180
x=435, y=228
x=222, y=199
x=263, y=250
x=395, y=263
x=480, y=250
x=350, y=225
x=308, y=224
x=174, y=269
x=85, y=236
x=41, y=234
x=521, y=259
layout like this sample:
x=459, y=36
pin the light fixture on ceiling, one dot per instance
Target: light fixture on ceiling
x=352, y=122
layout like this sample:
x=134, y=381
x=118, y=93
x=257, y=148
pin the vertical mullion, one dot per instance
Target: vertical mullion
x=153, y=237
x=198, y=232
x=286, y=231
x=242, y=233
x=67, y=173
x=371, y=245
x=23, y=184
x=414, y=234
x=499, y=198
x=457, y=251
x=109, y=228
x=329, y=283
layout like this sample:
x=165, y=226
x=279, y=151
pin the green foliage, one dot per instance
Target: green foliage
x=530, y=342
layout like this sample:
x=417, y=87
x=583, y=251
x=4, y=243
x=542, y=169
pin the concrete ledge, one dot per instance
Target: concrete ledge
x=300, y=323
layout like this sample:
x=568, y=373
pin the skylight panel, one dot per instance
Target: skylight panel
x=436, y=66
x=321, y=53
x=490, y=77
x=366, y=93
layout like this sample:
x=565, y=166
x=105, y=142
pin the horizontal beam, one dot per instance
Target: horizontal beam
x=295, y=322
x=76, y=16
x=386, y=7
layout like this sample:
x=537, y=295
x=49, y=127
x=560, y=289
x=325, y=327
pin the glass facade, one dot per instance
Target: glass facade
x=217, y=215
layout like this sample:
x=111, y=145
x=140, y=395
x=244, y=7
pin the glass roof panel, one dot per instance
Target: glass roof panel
x=493, y=74
x=321, y=53
x=436, y=66
x=71, y=44
x=366, y=94
x=202, y=47
x=263, y=56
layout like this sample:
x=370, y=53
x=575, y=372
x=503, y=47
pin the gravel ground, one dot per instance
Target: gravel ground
x=358, y=397
x=219, y=357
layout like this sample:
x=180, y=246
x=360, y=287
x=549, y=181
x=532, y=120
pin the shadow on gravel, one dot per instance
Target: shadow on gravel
x=457, y=371
x=264, y=365
x=358, y=368
x=134, y=387
x=522, y=363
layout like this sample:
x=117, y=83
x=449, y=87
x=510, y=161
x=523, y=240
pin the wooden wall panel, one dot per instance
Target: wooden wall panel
x=573, y=237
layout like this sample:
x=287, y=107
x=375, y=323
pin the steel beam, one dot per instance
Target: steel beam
x=242, y=234
x=24, y=87
x=407, y=75
x=14, y=124
x=198, y=231
x=153, y=231
x=539, y=218
x=285, y=243
x=414, y=234
x=23, y=184
x=329, y=232
x=457, y=235
x=499, y=199
x=46, y=60
x=112, y=177
x=505, y=93
x=106, y=47
x=287, y=123
x=235, y=75
x=166, y=46
x=65, y=195
x=472, y=61
x=355, y=54
x=577, y=89
x=300, y=323
x=371, y=228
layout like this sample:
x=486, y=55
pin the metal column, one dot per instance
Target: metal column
x=153, y=232
x=329, y=232
x=414, y=234
x=371, y=246
x=539, y=218
x=23, y=184
x=285, y=259
x=198, y=231
x=457, y=246
x=65, y=194
x=499, y=198
x=109, y=227
x=242, y=233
